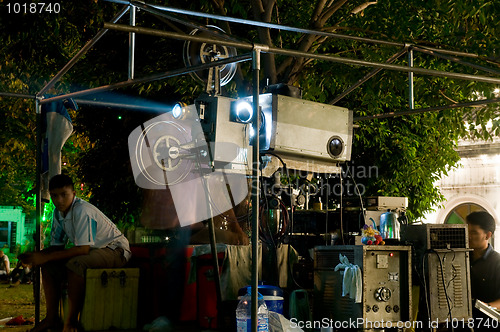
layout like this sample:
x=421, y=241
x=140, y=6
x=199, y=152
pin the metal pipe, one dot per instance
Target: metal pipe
x=172, y=73
x=179, y=36
x=427, y=109
x=38, y=205
x=296, y=53
x=131, y=45
x=284, y=27
x=213, y=250
x=411, y=100
x=366, y=77
x=436, y=53
x=160, y=13
x=271, y=25
x=456, y=53
x=80, y=53
x=17, y=95
x=255, y=188
x=417, y=70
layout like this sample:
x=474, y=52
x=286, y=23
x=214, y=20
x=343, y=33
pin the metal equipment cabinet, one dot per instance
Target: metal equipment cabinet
x=386, y=286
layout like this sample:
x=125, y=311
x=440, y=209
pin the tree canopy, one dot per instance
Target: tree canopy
x=410, y=152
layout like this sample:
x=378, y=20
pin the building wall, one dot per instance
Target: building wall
x=476, y=180
x=14, y=214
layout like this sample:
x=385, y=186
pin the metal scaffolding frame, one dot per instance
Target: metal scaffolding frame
x=256, y=50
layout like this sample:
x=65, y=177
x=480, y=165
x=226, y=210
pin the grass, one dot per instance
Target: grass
x=16, y=301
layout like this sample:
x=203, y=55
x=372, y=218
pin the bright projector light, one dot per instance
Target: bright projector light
x=244, y=111
x=178, y=111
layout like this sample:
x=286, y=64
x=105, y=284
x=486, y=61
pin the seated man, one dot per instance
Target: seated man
x=4, y=266
x=21, y=274
x=485, y=262
x=97, y=244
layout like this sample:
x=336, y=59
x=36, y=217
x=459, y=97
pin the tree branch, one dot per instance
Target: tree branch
x=318, y=20
x=330, y=11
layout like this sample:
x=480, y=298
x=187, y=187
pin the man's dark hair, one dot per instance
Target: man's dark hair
x=61, y=181
x=483, y=219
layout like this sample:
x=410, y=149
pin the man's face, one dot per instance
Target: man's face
x=478, y=237
x=62, y=198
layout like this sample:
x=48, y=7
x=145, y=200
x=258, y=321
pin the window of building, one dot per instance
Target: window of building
x=458, y=214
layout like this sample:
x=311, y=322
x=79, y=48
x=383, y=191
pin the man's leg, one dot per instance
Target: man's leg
x=52, y=290
x=76, y=296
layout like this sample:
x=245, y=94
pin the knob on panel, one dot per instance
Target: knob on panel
x=383, y=294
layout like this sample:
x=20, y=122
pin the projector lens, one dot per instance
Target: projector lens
x=177, y=111
x=244, y=112
x=335, y=146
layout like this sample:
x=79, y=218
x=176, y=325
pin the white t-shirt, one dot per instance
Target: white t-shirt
x=84, y=224
x=4, y=264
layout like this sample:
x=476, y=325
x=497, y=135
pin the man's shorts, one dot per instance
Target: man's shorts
x=102, y=258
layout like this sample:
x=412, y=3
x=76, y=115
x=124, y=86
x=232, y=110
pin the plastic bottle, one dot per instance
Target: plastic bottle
x=244, y=314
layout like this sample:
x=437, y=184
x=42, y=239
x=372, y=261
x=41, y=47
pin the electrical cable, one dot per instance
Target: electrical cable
x=454, y=269
x=363, y=211
x=444, y=286
x=341, y=211
x=425, y=286
x=266, y=237
x=290, y=267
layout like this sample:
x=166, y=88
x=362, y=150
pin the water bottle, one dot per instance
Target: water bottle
x=244, y=314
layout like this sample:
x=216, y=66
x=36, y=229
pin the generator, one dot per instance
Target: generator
x=442, y=260
x=386, y=285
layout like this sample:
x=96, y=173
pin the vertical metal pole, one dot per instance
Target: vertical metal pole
x=38, y=211
x=410, y=79
x=255, y=188
x=131, y=45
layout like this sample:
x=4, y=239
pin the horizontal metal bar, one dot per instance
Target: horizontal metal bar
x=286, y=28
x=172, y=73
x=183, y=21
x=356, y=62
x=17, y=95
x=427, y=109
x=179, y=36
x=436, y=53
x=309, y=55
x=80, y=53
x=450, y=52
x=302, y=54
x=270, y=25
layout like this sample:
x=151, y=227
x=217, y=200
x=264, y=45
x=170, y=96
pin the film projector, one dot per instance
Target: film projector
x=205, y=149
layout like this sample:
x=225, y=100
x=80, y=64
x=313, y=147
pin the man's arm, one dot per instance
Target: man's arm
x=53, y=254
x=495, y=304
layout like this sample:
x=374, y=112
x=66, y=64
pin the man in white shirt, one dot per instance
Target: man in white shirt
x=4, y=266
x=97, y=243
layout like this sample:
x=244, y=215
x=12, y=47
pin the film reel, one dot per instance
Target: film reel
x=159, y=153
x=197, y=53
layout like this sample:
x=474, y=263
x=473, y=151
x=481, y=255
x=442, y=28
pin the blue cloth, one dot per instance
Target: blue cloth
x=60, y=110
x=56, y=128
x=352, y=283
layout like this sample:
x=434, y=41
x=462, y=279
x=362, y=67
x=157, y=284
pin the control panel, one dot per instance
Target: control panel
x=382, y=285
